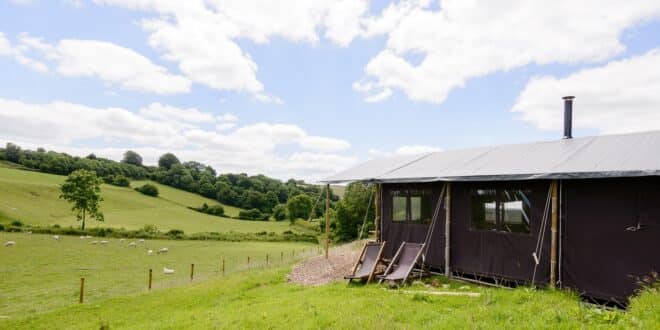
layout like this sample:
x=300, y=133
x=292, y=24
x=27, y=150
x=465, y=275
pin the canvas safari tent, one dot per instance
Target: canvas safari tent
x=579, y=213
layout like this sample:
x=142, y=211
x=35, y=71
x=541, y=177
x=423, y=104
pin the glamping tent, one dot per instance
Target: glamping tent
x=579, y=213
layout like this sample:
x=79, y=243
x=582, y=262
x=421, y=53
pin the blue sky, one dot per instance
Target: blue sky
x=304, y=113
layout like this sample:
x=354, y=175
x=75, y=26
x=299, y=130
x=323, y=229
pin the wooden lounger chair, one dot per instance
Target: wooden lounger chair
x=365, y=267
x=403, y=262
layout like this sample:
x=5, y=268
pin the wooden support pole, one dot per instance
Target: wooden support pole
x=82, y=290
x=192, y=271
x=553, y=235
x=327, y=219
x=377, y=212
x=447, y=228
x=150, y=278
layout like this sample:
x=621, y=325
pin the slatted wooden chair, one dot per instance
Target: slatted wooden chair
x=403, y=263
x=365, y=267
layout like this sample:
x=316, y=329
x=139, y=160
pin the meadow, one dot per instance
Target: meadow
x=40, y=274
x=32, y=198
x=264, y=299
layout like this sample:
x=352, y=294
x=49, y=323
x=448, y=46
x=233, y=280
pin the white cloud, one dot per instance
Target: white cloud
x=225, y=126
x=622, y=96
x=116, y=65
x=468, y=39
x=18, y=53
x=201, y=35
x=384, y=94
x=189, y=133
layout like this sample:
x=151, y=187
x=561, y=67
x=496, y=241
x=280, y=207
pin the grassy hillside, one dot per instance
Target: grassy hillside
x=264, y=300
x=39, y=274
x=32, y=197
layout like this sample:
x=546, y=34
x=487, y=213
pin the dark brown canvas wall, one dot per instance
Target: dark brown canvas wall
x=396, y=232
x=493, y=253
x=611, y=234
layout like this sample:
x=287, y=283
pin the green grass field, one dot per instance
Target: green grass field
x=263, y=299
x=40, y=274
x=32, y=197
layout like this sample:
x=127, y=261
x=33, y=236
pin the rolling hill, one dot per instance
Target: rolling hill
x=32, y=198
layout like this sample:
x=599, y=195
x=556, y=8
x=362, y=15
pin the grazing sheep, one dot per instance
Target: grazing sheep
x=94, y=242
x=132, y=244
x=88, y=236
x=29, y=232
x=163, y=250
x=121, y=240
x=141, y=241
x=56, y=237
x=10, y=243
x=150, y=252
x=168, y=271
x=82, y=237
x=104, y=242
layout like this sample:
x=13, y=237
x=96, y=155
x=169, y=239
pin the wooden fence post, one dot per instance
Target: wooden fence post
x=150, y=277
x=248, y=264
x=223, y=266
x=82, y=289
x=192, y=271
x=282, y=256
x=266, y=259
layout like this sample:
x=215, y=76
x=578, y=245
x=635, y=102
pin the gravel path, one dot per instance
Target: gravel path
x=319, y=270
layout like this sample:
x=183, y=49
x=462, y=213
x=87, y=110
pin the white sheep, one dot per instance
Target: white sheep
x=10, y=243
x=168, y=271
x=163, y=250
x=132, y=244
x=104, y=242
x=56, y=237
x=150, y=252
x=94, y=242
x=141, y=241
x=82, y=237
x=88, y=236
x=29, y=232
x=121, y=240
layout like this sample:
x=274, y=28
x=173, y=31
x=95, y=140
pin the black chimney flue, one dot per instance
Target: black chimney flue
x=568, y=116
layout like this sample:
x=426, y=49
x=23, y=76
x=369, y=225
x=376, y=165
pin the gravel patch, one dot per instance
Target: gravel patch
x=319, y=270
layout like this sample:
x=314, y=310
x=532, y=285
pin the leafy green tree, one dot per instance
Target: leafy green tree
x=351, y=210
x=12, y=152
x=132, y=157
x=82, y=188
x=167, y=160
x=299, y=207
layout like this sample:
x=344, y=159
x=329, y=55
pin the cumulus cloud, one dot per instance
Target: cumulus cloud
x=468, y=39
x=18, y=53
x=189, y=133
x=200, y=36
x=619, y=97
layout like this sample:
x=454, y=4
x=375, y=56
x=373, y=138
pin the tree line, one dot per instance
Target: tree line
x=259, y=195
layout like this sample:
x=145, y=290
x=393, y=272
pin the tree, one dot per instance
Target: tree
x=12, y=152
x=350, y=212
x=167, y=160
x=132, y=157
x=299, y=207
x=82, y=188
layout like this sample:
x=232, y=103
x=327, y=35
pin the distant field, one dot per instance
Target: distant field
x=32, y=197
x=39, y=274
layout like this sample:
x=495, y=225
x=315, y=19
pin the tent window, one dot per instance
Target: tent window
x=421, y=206
x=399, y=206
x=505, y=210
x=484, y=209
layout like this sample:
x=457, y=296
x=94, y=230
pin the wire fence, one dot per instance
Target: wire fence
x=40, y=273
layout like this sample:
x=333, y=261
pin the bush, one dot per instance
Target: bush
x=299, y=207
x=17, y=223
x=253, y=214
x=121, y=181
x=2, y=227
x=175, y=233
x=148, y=189
x=216, y=210
x=279, y=212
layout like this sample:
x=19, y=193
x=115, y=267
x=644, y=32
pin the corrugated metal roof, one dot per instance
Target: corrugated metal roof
x=625, y=155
